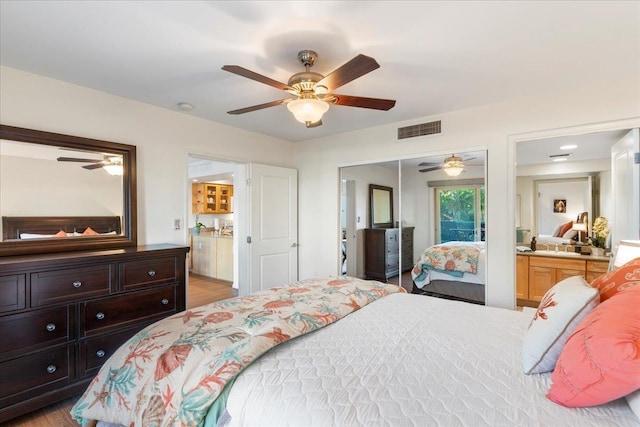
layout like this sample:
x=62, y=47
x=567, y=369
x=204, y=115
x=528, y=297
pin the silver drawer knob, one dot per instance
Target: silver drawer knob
x=151, y=273
x=51, y=369
x=51, y=327
x=100, y=316
x=77, y=284
x=164, y=301
x=100, y=353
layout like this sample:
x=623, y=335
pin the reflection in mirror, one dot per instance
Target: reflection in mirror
x=441, y=213
x=584, y=183
x=417, y=225
x=52, y=184
x=380, y=206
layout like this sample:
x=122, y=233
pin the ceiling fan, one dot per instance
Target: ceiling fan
x=453, y=165
x=313, y=91
x=112, y=164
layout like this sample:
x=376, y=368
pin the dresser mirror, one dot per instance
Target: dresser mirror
x=380, y=206
x=65, y=193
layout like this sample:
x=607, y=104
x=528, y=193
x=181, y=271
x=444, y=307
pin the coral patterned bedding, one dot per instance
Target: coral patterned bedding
x=171, y=372
x=453, y=261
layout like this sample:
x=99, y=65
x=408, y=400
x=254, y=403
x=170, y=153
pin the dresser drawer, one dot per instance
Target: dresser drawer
x=407, y=234
x=125, y=310
x=52, y=287
x=12, y=291
x=139, y=274
x=95, y=351
x=20, y=333
x=35, y=373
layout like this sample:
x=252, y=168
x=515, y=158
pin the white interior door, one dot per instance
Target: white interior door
x=625, y=180
x=273, y=234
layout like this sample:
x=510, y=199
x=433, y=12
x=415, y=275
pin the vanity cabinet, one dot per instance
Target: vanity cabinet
x=62, y=315
x=537, y=273
x=211, y=198
x=382, y=252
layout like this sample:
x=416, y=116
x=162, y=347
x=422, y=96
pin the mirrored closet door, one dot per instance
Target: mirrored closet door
x=430, y=205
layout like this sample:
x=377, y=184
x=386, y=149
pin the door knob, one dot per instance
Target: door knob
x=294, y=245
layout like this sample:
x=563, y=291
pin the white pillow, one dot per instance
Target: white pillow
x=25, y=236
x=571, y=234
x=556, y=232
x=561, y=310
x=633, y=399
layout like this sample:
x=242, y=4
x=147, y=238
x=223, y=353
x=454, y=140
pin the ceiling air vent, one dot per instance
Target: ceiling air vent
x=419, y=130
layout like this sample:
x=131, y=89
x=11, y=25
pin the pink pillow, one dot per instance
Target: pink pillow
x=623, y=277
x=60, y=234
x=601, y=360
x=90, y=232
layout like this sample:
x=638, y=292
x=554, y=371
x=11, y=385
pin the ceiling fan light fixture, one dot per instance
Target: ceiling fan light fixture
x=308, y=110
x=453, y=166
x=113, y=169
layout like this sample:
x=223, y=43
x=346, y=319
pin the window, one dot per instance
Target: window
x=460, y=213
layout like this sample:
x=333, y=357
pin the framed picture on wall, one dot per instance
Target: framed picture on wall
x=560, y=205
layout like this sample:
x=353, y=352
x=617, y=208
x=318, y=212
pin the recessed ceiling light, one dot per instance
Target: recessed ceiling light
x=569, y=147
x=560, y=159
x=185, y=106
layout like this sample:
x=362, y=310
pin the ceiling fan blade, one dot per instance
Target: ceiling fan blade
x=75, y=159
x=435, y=168
x=257, y=107
x=359, y=101
x=94, y=166
x=314, y=125
x=235, y=69
x=469, y=158
x=428, y=164
x=357, y=67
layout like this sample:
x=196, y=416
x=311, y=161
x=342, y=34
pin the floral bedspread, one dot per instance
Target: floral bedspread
x=171, y=372
x=453, y=258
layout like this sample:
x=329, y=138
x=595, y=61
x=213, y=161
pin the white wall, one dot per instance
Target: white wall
x=575, y=192
x=37, y=187
x=492, y=126
x=163, y=139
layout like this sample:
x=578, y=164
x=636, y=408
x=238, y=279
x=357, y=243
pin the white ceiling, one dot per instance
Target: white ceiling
x=435, y=57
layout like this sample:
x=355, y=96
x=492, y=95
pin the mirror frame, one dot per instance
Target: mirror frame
x=372, y=220
x=129, y=219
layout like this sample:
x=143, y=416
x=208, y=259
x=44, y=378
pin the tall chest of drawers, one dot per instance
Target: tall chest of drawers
x=62, y=315
x=382, y=252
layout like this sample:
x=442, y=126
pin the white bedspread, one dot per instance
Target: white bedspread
x=408, y=360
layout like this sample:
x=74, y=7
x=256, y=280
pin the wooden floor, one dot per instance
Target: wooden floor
x=201, y=290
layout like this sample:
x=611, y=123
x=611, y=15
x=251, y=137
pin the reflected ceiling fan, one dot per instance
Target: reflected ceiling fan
x=313, y=91
x=112, y=164
x=453, y=165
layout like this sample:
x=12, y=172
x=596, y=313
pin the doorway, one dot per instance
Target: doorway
x=213, y=212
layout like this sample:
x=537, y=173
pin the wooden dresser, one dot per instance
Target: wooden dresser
x=63, y=314
x=382, y=254
x=536, y=272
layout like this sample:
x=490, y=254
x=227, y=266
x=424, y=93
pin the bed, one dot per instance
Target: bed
x=439, y=273
x=42, y=227
x=564, y=234
x=377, y=365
